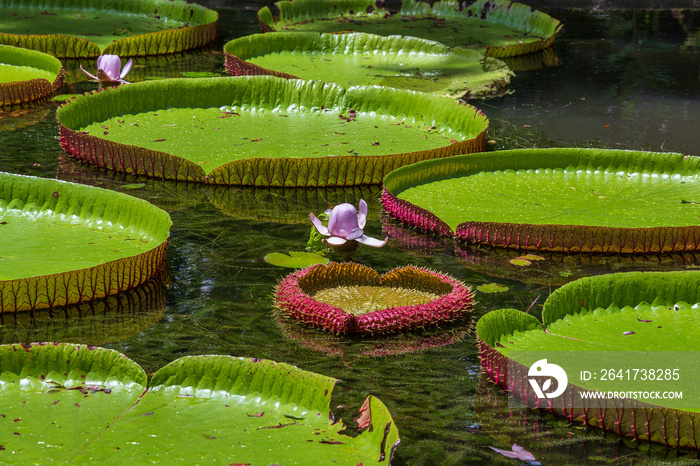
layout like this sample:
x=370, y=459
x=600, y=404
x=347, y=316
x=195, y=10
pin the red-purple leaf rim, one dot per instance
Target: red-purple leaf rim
x=460, y=129
x=557, y=200
x=23, y=91
x=597, y=298
x=406, y=298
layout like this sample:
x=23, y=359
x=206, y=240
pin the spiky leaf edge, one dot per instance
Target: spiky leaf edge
x=629, y=418
x=263, y=172
x=81, y=285
x=504, y=12
x=294, y=298
x=19, y=92
x=554, y=238
x=154, y=43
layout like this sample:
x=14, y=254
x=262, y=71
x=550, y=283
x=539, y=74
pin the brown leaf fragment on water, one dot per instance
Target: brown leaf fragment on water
x=629, y=332
x=158, y=140
x=364, y=418
x=331, y=442
x=645, y=320
x=517, y=452
x=256, y=415
x=256, y=140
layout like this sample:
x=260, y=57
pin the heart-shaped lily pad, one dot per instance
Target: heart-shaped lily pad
x=66, y=243
x=78, y=29
x=76, y=404
x=27, y=75
x=632, y=333
x=352, y=298
x=560, y=200
x=498, y=27
x=369, y=59
x=265, y=131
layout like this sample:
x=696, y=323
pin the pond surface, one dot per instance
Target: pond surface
x=627, y=79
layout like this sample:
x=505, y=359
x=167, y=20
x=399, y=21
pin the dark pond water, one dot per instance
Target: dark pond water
x=627, y=79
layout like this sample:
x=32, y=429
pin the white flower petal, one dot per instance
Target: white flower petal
x=369, y=241
x=319, y=226
x=92, y=76
x=362, y=216
x=336, y=240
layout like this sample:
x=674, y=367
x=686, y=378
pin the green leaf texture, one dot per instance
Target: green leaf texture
x=27, y=75
x=65, y=243
x=640, y=316
x=560, y=200
x=369, y=59
x=265, y=131
x=82, y=29
x=498, y=28
x=73, y=404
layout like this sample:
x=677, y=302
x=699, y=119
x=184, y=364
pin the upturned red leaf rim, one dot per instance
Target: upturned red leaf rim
x=627, y=417
x=295, y=297
x=545, y=237
x=20, y=92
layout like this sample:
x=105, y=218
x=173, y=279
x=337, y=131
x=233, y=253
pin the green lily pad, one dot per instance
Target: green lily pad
x=295, y=259
x=499, y=28
x=27, y=75
x=265, y=131
x=368, y=59
x=219, y=409
x=625, y=323
x=66, y=243
x=492, y=288
x=560, y=200
x=77, y=29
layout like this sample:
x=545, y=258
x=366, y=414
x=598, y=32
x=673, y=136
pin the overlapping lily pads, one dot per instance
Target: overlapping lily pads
x=66, y=243
x=638, y=318
x=27, y=75
x=265, y=131
x=99, y=406
x=348, y=298
x=369, y=59
x=498, y=27
x=78, y=29
x=559, y=200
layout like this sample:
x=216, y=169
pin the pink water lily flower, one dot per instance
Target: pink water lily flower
x=108, y=69
x=345, y=224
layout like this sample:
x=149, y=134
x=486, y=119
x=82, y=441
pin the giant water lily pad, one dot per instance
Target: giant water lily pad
x=65, y=243
x=99, y=406
x=561, y=200
x=498, y=27
x=347, y=298
x=27, y=75
x=265, y=131
x=77, y=29
x=369, y=59
x=641, y=322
